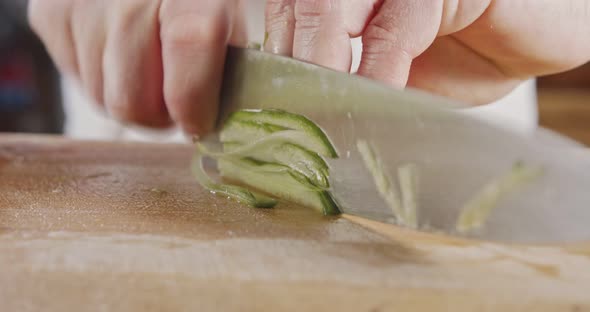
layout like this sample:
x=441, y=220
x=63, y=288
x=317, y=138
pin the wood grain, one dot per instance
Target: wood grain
x=567, y=111
x=88, y=226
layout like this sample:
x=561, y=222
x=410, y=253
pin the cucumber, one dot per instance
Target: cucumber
x=265, y=167
x=238, y=193
x=280, y=184
x=276, y=150
x=314, y=137
x=310, y=165
x=246, y=131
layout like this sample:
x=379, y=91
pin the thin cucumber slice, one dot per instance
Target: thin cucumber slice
x=238, y=193
x=408, y=184
x=278, y=168
x=384, y=183
x=276, y=148
x=261, y=166
x=280, y=184
x=246, y=131
x=315, y=138
x=403, y=202
x=477, y=210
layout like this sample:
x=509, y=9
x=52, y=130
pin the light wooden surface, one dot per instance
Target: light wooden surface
x=567, y=111
x=123, y=227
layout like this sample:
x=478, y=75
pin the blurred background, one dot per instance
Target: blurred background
x=31, y=98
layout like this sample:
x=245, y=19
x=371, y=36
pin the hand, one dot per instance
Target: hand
x=472, y=50
x=148, y=62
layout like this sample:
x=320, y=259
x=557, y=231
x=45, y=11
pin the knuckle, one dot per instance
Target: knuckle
x=310, y=15
x=279, y=12
x=379, y=30
x=312, y=8
x=380, y=38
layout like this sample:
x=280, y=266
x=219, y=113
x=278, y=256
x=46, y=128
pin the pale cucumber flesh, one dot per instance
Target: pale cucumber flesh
x=280, y=184
x=278, y=153
x=238, y=193
x=316, y=137
x=246, y=131
x=267, y=150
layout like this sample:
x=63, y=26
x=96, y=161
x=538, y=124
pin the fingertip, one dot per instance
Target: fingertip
x=194, y=113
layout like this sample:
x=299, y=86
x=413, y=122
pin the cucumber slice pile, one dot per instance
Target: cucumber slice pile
x=274, y=151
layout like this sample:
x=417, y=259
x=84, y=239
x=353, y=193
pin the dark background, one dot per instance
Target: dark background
x=30, y=98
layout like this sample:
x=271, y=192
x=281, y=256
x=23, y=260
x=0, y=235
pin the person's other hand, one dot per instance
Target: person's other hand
x=472, y=50
x=151, y=63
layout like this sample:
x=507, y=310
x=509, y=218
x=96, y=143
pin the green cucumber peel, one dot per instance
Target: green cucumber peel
x=238, y=193
x=315, y=136
x=261, y=166
x=281, y=184
x=246, y=131
x=276, y=148
x=276, y=152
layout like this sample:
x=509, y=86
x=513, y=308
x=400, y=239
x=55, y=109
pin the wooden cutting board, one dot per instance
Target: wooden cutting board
x=88, y=226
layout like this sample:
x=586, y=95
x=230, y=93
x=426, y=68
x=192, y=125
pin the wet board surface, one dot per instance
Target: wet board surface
x=90, y=226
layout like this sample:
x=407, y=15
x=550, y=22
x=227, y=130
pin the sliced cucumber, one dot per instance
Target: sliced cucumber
x=403, y=201
x=478, y=209
x=262, y=166
x=280, y=184
x=315, y=138
x=310, y=168
x=246, y=131
x=408, y=184
x=238, y=193
x=277, y=168
x=276, y=152
x=297, y=158
x=384, y=183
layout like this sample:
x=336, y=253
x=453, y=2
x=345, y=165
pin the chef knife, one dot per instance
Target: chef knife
x=454, y=153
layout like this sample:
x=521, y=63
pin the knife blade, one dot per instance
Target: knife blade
x=455, y=153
